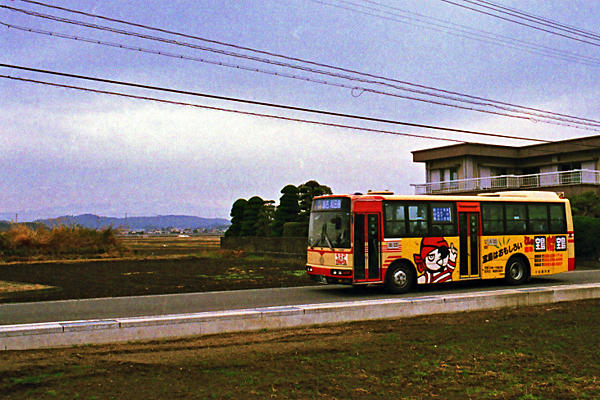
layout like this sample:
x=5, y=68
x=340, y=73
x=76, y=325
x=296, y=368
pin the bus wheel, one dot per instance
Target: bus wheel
x=400, y=278
x=516, y=271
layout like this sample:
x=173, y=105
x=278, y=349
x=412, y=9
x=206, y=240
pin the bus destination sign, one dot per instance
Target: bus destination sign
x=327, y=204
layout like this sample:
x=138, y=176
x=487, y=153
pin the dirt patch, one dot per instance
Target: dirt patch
x=115, y=278
x=544, y=352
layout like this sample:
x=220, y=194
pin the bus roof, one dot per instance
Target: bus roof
x=515, y=196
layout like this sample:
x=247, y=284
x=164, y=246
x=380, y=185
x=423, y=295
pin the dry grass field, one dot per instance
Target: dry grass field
x=544, y=352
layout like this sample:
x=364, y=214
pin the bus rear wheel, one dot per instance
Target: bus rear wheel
x=400, y=278
x=516, y=271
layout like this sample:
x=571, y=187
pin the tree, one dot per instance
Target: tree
x=306, y=192
x=251, y=212
x=265, y=218
x=237, y=217
x=586, y=204
x=288, y=209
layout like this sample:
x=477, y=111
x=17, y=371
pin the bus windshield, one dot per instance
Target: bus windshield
x=329, y=229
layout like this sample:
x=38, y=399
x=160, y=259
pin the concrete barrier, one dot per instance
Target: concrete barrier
x=70, y=333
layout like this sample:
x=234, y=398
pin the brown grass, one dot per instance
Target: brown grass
x=21, y=242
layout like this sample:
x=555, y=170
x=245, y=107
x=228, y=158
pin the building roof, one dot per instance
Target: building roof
x=586, y=144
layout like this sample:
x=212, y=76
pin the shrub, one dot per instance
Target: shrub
x=587, y=231
x=22, y=241
x=295, y=229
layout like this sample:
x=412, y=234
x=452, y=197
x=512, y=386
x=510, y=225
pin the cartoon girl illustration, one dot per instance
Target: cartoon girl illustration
x=437, y=260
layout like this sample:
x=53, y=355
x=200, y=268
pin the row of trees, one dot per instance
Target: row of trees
x=258, y=217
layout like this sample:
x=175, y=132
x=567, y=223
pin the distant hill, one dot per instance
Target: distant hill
x=156, y=222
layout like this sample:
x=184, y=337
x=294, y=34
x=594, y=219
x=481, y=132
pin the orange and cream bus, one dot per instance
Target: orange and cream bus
x=402, y=241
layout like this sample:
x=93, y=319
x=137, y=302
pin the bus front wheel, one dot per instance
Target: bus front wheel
x=400, y=278
x=516, y=271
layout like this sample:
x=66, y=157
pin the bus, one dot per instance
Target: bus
x=401, y=241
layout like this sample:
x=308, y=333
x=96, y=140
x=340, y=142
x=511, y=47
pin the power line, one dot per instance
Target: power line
x=520, y=23
x=380, y=80
x=458, y=30
x=534, y=18
x=528, y=115
x=180, y=103
x=558, y=24
x=262, y=115
x=266, y=104
x=452, y=28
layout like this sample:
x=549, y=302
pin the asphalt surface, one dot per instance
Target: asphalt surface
x=70, y=310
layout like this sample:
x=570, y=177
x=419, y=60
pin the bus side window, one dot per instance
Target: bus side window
x=557, y=219
x=538, y=218
x=442, y=219
x=395, y=220
x=492, y=215
x=417, y=220
x=516, y=219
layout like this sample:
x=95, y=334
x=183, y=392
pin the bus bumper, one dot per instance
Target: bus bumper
x=329, y=275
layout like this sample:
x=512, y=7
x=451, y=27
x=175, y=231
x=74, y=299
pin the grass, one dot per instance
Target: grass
x=22, y=242
x=542, y=352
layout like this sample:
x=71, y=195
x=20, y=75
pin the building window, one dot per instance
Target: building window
x=448, y=174
x=570, y=173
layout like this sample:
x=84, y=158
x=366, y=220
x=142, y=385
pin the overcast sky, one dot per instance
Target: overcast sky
x=64, y=151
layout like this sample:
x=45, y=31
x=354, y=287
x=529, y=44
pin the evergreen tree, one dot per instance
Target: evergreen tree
x=288, y=209
x=306, y=192
x=237, y=217
x=250, y=222
x=265, y=218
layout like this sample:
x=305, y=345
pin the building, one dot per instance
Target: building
x=569, y=166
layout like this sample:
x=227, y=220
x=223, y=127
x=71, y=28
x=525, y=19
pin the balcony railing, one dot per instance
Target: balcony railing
x=512, y=182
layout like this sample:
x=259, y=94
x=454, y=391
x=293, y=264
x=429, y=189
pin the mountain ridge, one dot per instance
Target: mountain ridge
x=144, y=222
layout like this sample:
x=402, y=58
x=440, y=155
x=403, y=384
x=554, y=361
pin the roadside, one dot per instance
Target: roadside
x=157, y=265
x=543, y=352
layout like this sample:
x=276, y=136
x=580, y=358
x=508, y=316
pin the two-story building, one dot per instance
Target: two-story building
x=569, y=166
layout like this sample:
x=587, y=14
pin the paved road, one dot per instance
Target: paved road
x=68, y=310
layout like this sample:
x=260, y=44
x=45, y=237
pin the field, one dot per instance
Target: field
x=157, y=265
x=543, y=352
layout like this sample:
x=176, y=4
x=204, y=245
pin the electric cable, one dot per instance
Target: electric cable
x=530, y=116
x=381, y=80
x=266, y=104
x=521, y=23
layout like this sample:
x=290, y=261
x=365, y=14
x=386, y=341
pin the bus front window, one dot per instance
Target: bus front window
x=329, y=229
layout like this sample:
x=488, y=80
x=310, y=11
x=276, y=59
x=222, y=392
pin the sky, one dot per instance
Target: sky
x=67, y=152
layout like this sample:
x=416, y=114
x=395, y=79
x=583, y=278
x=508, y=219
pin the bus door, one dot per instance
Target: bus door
x=469, y=232
x=367, y=253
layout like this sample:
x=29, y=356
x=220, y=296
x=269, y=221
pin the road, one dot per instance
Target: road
x=70, y=310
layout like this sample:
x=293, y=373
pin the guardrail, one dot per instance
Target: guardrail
x=511, y=182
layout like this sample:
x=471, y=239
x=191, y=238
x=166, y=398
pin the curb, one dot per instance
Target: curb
x=71, y=333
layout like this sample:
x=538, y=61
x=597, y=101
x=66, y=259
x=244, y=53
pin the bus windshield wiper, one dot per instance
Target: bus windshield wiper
x=325, y=238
